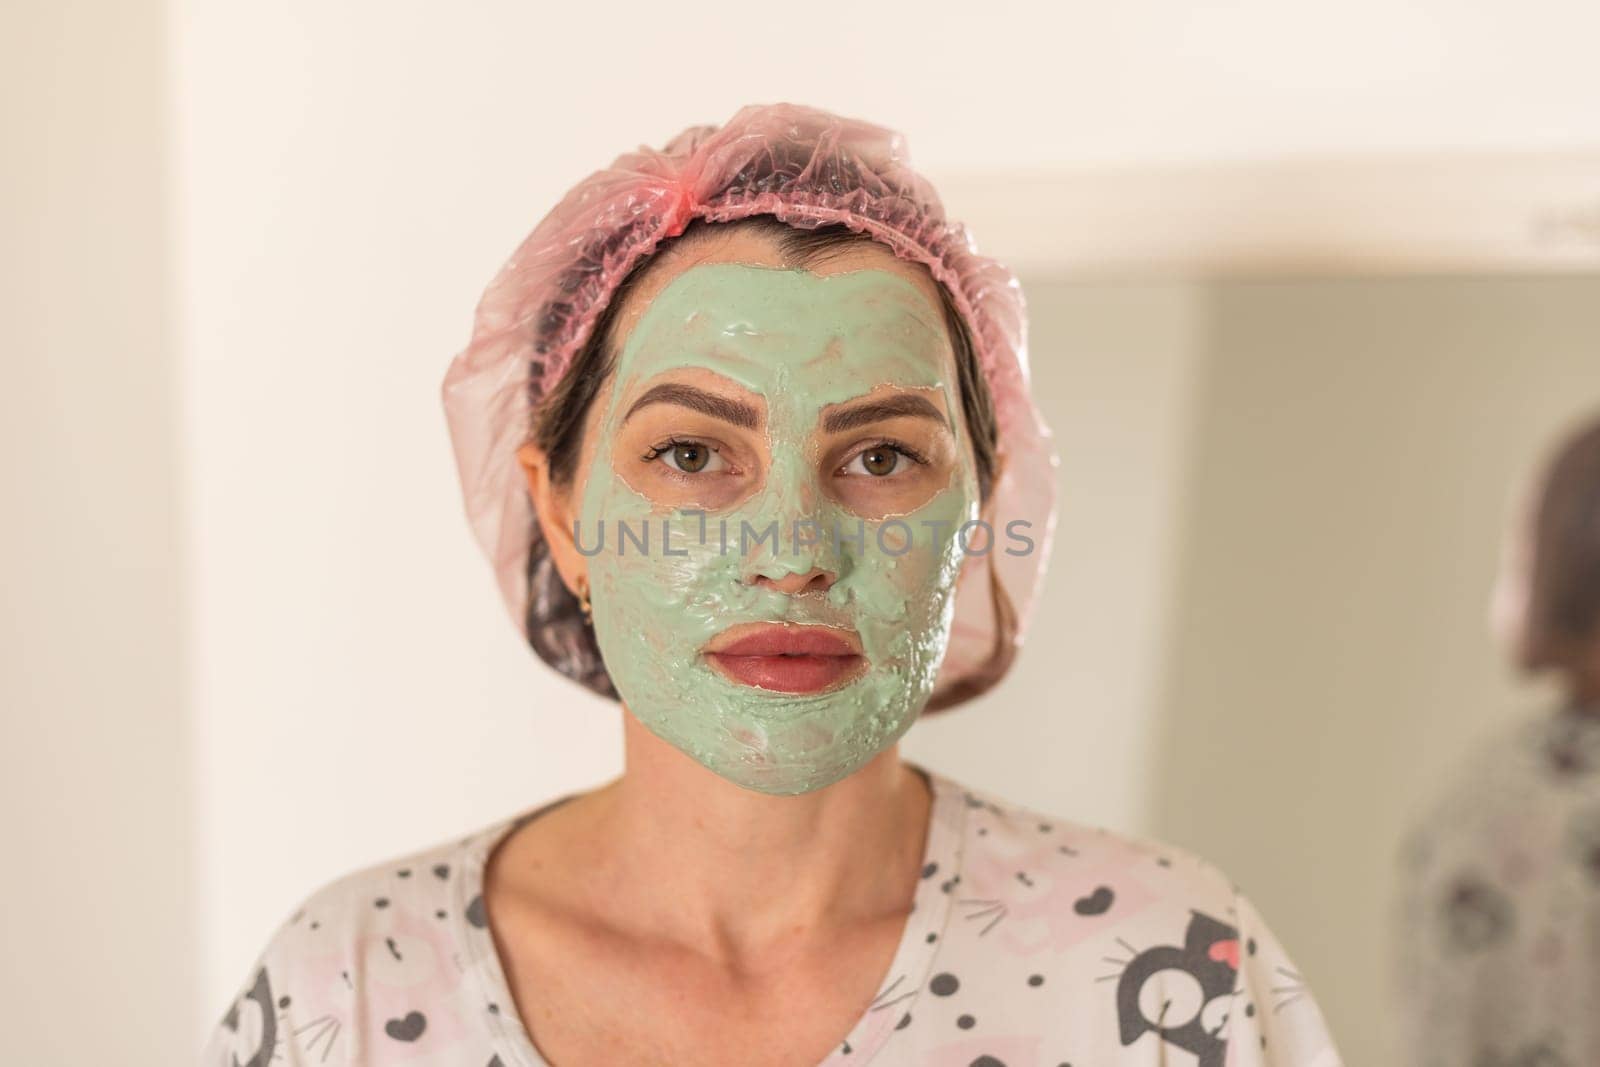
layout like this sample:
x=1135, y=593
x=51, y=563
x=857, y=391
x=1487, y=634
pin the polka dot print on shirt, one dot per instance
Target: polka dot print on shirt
x=1032, y=941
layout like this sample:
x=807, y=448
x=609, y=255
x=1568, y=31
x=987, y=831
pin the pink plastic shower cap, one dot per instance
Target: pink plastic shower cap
x=808, y=168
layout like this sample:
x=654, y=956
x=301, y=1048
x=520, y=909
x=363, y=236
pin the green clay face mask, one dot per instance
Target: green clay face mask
x=789, y=474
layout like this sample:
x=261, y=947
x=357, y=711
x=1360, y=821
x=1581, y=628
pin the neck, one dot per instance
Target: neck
x=739, y=874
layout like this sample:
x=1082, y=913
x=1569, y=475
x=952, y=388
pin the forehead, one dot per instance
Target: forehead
x=736, y=244
x=860, y=300
x=790, y=334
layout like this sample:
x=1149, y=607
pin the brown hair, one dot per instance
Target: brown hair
x=555, y=627
x=1563, y=617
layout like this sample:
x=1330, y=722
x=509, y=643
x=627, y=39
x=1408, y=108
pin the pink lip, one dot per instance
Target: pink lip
x=786, y=658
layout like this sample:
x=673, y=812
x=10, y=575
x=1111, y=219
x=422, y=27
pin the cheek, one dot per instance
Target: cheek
x=904, y=595
x=666, y=599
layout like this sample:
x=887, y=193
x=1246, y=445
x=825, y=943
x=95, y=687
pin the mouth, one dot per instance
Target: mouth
x=787, y=658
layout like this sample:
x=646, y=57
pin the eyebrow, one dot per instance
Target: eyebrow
x=687, y=396
x=905, y=405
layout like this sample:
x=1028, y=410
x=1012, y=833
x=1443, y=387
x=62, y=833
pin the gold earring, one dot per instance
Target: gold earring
x=583, y=602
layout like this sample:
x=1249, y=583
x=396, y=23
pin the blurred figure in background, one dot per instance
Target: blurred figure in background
x=1498, y=920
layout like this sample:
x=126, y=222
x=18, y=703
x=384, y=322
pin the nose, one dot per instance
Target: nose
x=816, y=580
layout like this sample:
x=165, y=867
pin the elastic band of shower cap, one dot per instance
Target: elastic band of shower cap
x=808, y=168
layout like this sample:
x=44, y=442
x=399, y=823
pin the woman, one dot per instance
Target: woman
x=1499, y=905
x=745, y=430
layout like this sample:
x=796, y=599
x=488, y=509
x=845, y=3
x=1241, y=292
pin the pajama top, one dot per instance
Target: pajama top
x=1496, y=929
x=1033, y=941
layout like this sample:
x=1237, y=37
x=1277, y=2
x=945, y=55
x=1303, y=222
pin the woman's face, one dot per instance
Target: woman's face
x=767, y=508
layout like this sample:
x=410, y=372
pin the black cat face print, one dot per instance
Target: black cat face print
x=1182, y=993
x=252, y=1021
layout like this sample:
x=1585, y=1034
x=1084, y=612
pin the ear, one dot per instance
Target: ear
x=553, y=505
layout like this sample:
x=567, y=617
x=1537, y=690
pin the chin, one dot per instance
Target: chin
x=781, y=780
x=796, y=754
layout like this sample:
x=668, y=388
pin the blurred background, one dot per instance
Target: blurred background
x=1312, y=286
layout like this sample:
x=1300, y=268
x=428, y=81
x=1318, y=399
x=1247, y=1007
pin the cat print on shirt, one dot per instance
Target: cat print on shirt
x=252, y=1023
x=1182, y=993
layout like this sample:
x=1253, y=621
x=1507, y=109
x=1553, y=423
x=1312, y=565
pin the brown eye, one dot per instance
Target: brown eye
x=880, y=461
x=689, y=458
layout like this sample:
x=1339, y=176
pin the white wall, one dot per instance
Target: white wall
x=97, y=922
